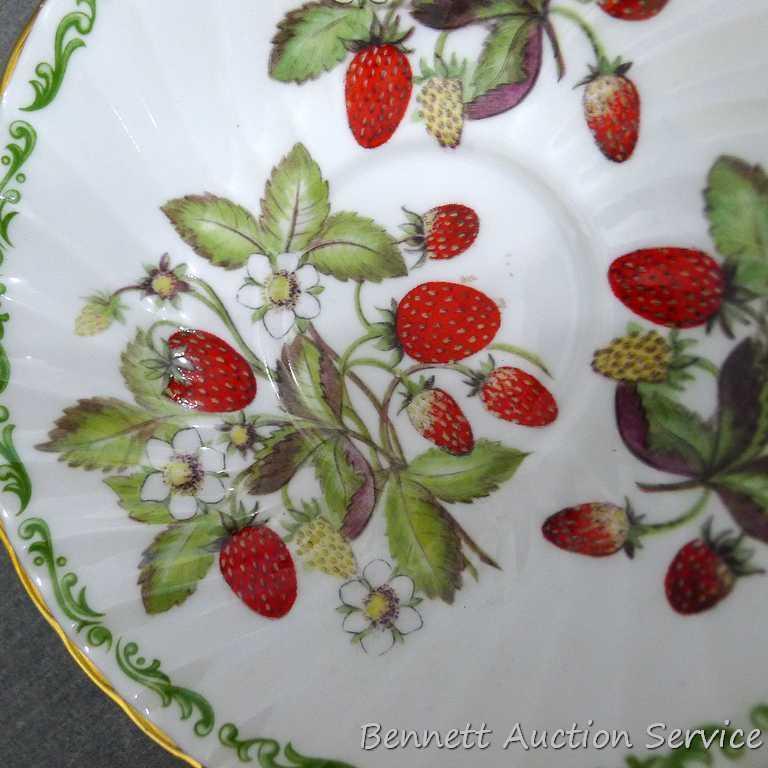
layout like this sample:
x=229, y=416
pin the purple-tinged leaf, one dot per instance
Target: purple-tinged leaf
x=747, y=513
x=347, y=482
x=508, y=68
x=636, y=432
x=742, y=417
x=452, y=14
x=363, y=501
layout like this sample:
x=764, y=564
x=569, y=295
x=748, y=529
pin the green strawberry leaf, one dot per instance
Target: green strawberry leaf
x=176, y=560
x=422, y=538
x=295, y=204
x=675, y=430
x=347, y=483
x=451, y=14
x=503, y=60
x=752, y=274
x=749, y=479
x=217, y=229
x=280, y=458
x=148, y=391
x=128, y=490
x=353, y=247
x=310, y=40
x=309, y=384
x=742, y=414
x=737, y=207
x=105, y=433
x=468, y=477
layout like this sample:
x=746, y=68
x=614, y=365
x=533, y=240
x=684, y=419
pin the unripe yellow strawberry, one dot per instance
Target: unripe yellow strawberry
x=442, y=107
x=322, y=548
x=635, y=357
x=98, y=314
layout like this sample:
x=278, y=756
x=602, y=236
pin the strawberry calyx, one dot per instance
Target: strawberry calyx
x=414, y=388
x=735, y=304
x=415, y=235
x=605, y=68
x=237, y=519
x=384, y=333
x=385, y=32
x=476, y=379
x=451, y=68
x=169, y=365
x=728, y=546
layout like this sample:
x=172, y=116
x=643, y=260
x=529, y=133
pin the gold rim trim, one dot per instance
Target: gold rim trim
x=13, y=60
x=84, y=662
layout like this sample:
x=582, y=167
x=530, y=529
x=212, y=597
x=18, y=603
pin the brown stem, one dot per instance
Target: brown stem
x=683, y=485
x=556, y=49
x=483, y=556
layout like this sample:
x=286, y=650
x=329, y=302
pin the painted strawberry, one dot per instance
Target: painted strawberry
x=633, y=10
x=442, y=232
x=595, y=529
x=514, y=395
x=378, y=85
x=675, y=287
x=705, y=571
x=436, y=416
x=612, y=109
x=259, y=569
x=204, y=373
x=444, y=322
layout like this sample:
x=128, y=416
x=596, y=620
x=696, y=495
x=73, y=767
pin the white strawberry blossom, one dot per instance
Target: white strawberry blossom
x=380, y=607
x=281, y=293
x=184, y=474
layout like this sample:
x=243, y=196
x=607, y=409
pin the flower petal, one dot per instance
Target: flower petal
x=377, y=572
x=210, y=459
x=355, y=622
x=211, y=490
x=259, y=268
x=377, y=643
x=409, y=620
x=154, y=488
x=182, y=507
x=403, y=587
x=251, y=296
x=307, y=277
x=279, y=321
x=354, y=593
x=288, y=261
x=307, y=306
x=187, y=441
x=159, y=452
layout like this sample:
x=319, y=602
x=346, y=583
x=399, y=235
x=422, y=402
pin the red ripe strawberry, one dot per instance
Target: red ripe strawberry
x=378, y=88
x=445, y=322
x=442, y=232
x=595, y=529
x=675, y=287
x=514, y=395
x=437, y=416
x=705, y=571
x=632, y=10
x=259, y=569
x=612, y=110
x=205, y=373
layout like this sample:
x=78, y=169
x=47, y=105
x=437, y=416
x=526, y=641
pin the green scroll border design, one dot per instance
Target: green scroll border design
x=15, y=480
x=71, y=601
x=69, y=38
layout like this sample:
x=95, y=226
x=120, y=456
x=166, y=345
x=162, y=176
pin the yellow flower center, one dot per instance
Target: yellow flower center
x=164, y=285
x=282, y=289
x=239, y=436
x=382, y=606
x=183, y=474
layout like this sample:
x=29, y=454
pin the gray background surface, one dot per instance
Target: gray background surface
x=51, y=715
